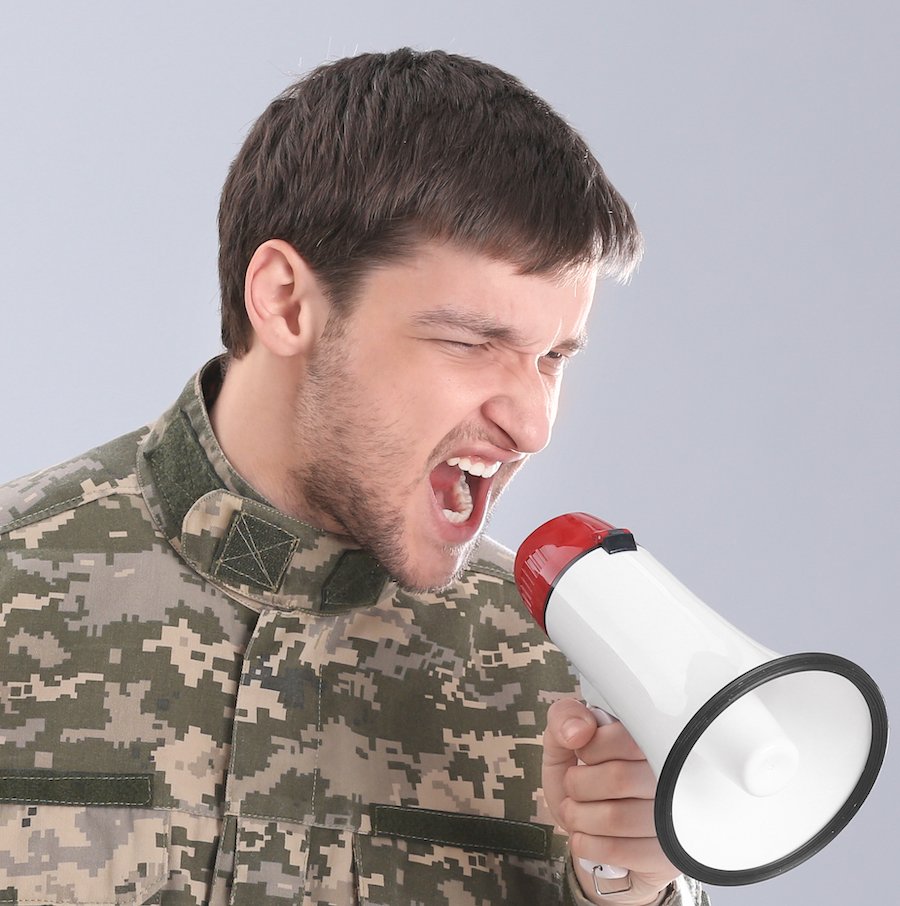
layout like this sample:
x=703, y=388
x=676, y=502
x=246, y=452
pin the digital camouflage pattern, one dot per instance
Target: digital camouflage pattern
x=203, y=700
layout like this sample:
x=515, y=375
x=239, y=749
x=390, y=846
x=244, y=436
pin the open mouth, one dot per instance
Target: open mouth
x=461, y=486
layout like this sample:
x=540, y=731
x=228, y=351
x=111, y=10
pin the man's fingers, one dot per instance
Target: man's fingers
x=610, y=780
x=613, y=770
x=600, y=789
x=612, y=743
x=619, y=817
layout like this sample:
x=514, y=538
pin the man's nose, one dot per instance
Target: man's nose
x=524, y=409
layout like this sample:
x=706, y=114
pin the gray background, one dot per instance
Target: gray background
x=738, y=406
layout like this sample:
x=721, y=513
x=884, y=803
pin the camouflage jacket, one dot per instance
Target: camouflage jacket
x=203, y=700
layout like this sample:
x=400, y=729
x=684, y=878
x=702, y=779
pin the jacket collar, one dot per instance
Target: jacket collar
x=229, y=533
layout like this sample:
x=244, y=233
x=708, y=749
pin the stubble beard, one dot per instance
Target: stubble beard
x=346, y=448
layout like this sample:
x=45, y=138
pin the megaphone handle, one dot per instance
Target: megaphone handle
x=604, y=718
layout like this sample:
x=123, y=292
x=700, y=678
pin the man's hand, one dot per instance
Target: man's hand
x=605, y=804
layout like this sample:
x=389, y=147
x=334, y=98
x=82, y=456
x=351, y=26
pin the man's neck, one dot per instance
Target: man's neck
x=252, y=419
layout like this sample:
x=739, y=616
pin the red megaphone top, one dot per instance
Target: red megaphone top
x=550, y=549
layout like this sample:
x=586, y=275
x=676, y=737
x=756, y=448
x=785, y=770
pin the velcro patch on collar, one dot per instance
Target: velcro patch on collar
x=255, y=551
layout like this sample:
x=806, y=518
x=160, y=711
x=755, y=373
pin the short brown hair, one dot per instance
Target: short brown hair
x=366, y=157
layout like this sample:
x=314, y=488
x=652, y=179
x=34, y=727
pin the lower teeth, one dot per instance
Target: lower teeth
x=456, y=518
x=463, y=501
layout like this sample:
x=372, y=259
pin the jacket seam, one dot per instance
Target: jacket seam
x=73, y=503
x=498, y=572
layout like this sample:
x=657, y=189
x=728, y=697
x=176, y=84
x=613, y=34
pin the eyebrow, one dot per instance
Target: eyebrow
x=478, y=324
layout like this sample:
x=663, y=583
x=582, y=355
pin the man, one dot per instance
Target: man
x=259, y=651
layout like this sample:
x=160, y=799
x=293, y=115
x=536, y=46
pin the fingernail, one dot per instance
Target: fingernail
x=571, y=728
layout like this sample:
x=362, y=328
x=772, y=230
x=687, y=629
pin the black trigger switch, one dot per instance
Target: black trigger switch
x=617, y=540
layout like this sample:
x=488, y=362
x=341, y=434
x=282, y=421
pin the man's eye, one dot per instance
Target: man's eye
x=554, y=362
x=460, y=345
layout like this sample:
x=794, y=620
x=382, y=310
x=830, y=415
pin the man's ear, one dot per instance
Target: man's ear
x=284, y=300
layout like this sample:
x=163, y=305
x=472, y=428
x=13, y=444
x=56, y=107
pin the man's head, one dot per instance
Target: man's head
x=409, y=244
x=365, y=158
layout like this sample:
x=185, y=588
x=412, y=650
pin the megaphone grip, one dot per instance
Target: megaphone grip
x=604, y=718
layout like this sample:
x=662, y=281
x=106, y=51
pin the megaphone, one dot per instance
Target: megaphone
x=760, y=759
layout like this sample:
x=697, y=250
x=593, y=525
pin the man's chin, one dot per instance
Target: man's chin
x=432, y=578
x=429, y=582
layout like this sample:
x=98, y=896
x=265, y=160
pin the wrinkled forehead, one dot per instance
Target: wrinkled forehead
x=447, y=287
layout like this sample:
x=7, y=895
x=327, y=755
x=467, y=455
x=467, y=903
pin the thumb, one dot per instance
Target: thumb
x=570, y=726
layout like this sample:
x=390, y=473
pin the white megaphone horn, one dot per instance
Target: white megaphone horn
x=760, y=759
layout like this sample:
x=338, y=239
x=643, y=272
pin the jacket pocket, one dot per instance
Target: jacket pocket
x=102, y=855
x=269, y=862
x=444, y=859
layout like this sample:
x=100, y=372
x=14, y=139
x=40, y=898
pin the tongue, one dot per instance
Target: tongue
x=443, y=479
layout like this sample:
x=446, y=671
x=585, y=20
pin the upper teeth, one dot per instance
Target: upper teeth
x=475, y=466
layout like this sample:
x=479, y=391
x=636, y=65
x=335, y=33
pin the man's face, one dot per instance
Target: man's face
x=441, y=382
